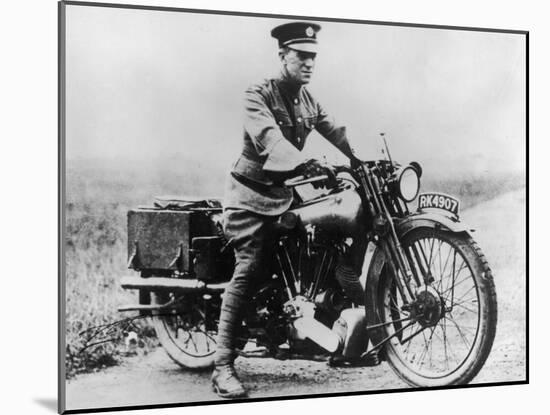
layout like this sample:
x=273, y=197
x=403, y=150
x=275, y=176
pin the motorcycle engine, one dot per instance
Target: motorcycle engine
x=266, y=321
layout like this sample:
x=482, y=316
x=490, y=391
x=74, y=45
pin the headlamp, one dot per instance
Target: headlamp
x=408, y=182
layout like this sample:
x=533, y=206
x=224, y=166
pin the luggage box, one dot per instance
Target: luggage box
x=160, y=239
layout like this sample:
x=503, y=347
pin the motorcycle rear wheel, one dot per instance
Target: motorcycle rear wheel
x=446, y=337
x=184, y=335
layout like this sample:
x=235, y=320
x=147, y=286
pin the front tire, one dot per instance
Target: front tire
x=445, y=337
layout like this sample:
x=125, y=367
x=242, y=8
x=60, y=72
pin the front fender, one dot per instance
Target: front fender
x=430, y=220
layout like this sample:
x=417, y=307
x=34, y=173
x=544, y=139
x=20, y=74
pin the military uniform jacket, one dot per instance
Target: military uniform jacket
x=277, y=120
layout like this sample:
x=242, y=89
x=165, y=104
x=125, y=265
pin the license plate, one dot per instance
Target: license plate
x=438, y=201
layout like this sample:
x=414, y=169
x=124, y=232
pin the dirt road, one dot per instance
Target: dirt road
x=155, y=379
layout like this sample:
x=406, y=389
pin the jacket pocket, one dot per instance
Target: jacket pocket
x=310, y=122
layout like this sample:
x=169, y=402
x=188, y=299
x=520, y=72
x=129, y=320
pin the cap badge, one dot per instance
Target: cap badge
x=309, y=31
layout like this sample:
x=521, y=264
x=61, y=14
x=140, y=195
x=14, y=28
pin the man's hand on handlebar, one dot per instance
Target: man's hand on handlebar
x=314, y=168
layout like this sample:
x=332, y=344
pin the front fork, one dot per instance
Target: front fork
x=385, y=235
x=407, y=265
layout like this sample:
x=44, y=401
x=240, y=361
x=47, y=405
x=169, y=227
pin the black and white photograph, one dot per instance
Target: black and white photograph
x=262, y=207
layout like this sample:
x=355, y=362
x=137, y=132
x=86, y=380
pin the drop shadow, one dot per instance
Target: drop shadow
x=48, y=403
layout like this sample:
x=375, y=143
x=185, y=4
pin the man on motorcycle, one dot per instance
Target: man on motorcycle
x=279, y=115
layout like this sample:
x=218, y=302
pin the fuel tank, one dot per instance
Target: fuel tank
x=341, y=212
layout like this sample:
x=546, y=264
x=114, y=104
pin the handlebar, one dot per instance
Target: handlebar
x=369, y=164
x=300, y=180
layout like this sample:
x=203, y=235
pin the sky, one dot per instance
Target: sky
x=154, y=84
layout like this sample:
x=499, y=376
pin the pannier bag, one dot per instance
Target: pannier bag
x=179, y=234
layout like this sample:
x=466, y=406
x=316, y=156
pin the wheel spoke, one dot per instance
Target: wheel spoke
x=453, y=280
x=424, y=349
x=466, y=308
x=186, y=342
x=422, y=245
x=446, y=262
x=408, y=348
x=431, y=254
x=472, y=300
x=454, y=272
x=450, y=348
x=427, y=343
x=455, y=285
x=207, y=335
x=431, y=345
x=416, y=248
x=394, y=306
x=462, y=336
x=453, y=354
x=193, y=341
x=445, y=345
x=463, y=295
x=439, y=258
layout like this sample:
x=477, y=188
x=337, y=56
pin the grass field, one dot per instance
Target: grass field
x=98, y=197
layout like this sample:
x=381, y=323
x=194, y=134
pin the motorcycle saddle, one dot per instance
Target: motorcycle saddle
x=187, y=202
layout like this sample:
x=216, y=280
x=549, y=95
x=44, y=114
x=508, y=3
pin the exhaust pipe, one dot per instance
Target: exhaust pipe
x=170, y=284
x=308, y=327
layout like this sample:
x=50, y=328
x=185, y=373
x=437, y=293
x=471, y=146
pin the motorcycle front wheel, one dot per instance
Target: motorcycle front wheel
x=186, y=331
x=445, y=335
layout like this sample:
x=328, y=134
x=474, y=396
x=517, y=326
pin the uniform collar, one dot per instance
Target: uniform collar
x=290, y=87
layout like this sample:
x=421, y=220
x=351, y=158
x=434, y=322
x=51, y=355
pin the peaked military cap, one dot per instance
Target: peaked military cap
x=300, y=36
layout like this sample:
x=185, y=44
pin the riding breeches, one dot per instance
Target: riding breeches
x=249, y=234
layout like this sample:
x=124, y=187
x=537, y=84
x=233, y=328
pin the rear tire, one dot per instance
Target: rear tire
x=185, y=333
x=452, y=347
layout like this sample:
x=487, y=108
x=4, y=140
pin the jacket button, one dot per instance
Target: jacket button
x=296, y=100
x=299, y=119
x=280, y=123
x=298, y=139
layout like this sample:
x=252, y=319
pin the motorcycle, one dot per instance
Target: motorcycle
x=430, y=303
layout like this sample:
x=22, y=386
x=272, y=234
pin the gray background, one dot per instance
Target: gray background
x=144, y=85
